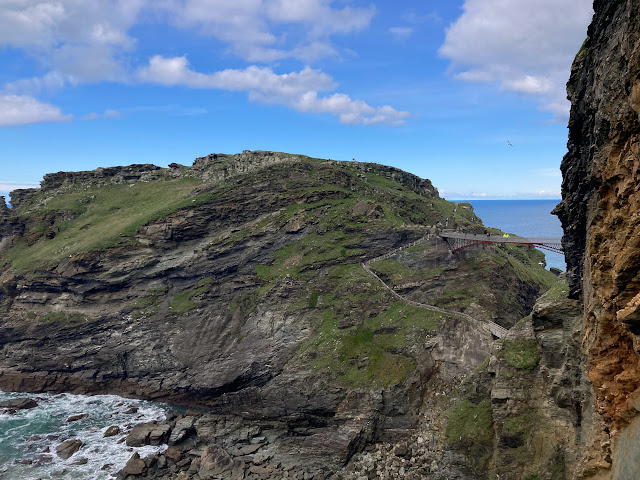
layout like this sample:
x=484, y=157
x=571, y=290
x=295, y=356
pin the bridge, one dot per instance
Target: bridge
x=459, y=241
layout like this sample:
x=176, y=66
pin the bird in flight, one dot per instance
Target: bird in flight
x=509, y=143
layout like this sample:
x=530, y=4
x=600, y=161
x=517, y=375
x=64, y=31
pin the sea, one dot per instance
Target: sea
x=525, y=218
x=28, y=438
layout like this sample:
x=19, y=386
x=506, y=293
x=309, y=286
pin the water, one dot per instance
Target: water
x=28, y=438
x=526, y=218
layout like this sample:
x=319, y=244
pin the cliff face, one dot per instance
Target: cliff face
x=600, y=213
x=236, y=285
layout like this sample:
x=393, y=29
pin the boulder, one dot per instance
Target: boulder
x=112, y=431
x=148, y=434
x=183, y=428
x=159, y=435
x=135, y=465
x=249, y=449
x=214, y=462
x=19, y=403
x=174, y=454
x=66, y=449
x=75, y=418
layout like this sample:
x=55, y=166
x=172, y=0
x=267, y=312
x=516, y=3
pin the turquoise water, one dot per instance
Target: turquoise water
x=28, y=438
x=526, y=218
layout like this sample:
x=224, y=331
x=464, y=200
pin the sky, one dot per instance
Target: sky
x=467, y=93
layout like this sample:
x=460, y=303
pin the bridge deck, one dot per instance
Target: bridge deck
x=500, y=239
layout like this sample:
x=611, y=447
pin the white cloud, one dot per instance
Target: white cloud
x=76, y=39
x=319, y=15
x=401, y=33
x=106, y=114
x=24, y=110
x=257, y=30
x=86, y=39
x=50, y=82
x=525, y=47
x=8, y=186
x=298, y=90
x=83, y=41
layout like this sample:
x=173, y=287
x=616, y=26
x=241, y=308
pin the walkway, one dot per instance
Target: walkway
x=493, y=328
x=458, y=241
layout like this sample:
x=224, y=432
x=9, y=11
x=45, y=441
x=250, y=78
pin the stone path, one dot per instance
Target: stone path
x=493, y=328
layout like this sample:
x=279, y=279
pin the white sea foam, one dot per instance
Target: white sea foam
x=28, y=438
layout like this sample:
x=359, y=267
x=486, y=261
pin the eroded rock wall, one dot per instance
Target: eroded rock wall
x=600, y=213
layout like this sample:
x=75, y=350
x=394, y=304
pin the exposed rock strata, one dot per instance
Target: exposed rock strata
x=245, y=296
x=600, y=213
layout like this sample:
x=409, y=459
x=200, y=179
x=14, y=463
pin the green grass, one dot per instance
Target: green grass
x=469, y=423
x=460, y=299
x=61, y=317
x=149, y=304
x=107, y=215
x=524, y=262
x=521, y=353
x=521, y=424
x=313, y=299
x=368, y=354
x=379, y=181
x=583, y=47
x=183, y=302
x=393, y=270
x=313, y=251
x=470, y=428
x=559, y=290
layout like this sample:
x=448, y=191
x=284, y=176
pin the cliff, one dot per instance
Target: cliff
x=600, y=213
x=236, y=285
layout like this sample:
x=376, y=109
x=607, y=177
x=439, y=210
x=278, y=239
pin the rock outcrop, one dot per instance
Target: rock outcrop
x=236, y=286
x=600, y=213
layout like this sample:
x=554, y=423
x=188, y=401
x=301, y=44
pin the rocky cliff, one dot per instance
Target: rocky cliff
x=600, y=213
x=236, y=286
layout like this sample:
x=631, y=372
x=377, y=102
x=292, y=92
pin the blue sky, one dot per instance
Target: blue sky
x=467, y=93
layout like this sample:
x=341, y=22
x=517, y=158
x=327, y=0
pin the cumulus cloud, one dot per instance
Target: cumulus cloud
x=269, y=30
x=76, y=39
x=83, y=41
x=18, y=110
x=298, y=90
x=86, y=38
x=106, y=114
x=50, y=82
x=524, y=47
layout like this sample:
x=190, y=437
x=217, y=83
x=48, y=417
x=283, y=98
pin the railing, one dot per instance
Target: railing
x=459, y=241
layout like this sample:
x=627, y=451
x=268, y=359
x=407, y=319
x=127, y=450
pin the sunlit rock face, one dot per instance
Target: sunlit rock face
x=600, y=213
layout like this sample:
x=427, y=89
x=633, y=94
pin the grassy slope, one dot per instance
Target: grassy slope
x=358, y=329
x=101, y=217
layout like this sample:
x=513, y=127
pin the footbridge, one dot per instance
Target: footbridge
x=459, y=241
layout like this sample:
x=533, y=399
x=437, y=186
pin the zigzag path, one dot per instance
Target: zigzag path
x=493, y=328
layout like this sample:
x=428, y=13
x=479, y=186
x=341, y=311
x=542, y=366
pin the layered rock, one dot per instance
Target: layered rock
x=600, y=213
x=236, y=285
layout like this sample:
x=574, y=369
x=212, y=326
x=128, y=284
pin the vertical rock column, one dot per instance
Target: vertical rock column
x=600, y=213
